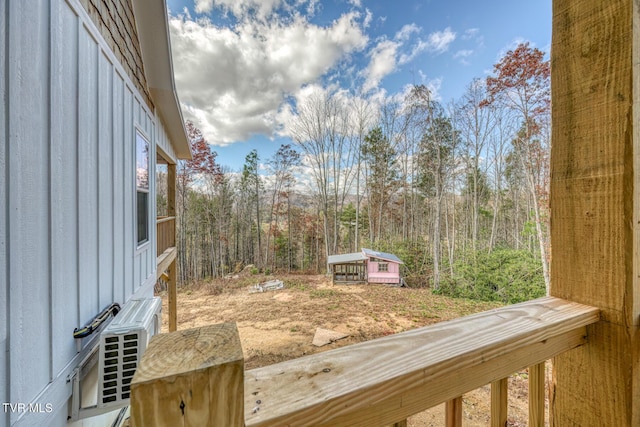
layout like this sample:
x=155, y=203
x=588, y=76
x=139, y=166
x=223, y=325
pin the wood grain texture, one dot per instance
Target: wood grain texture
x=595, y=215
x=499, y=390
x=381, y=381
x=453, y=412
x=536, y=395
x=192, y=377
x=591, y=186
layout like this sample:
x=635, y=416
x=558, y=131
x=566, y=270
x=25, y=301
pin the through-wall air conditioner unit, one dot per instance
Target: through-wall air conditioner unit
x=122, y=344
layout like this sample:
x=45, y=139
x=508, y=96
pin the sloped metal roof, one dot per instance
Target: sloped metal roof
x=383, y=255
x=340, y=259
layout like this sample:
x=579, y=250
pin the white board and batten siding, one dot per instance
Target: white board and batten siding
x=163, y=143
x=67, y=185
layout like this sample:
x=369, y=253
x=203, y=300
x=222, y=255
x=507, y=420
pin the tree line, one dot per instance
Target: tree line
x=444, y=186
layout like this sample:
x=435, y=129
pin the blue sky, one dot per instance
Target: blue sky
x=241, y=65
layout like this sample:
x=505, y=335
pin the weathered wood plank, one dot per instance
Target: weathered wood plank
x=192, y=377
x=365, y=385
x=453, y=412
x=499, y=390
x=595, y=213
x=536, y=395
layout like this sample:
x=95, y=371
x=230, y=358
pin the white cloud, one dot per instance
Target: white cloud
x=382, y=63
x=239, y=8
x=463, y=55
x=388, y=55
x=406, y=31
x=439, y=41
x=470, y=33
x=368, y=17
x=355, y=3
x=233, y=82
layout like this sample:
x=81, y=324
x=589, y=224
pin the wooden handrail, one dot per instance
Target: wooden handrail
x=385, y=380
x=162, y=219
x=375, y=383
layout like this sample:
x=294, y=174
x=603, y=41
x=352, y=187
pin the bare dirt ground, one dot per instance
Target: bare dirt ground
x=279, y=325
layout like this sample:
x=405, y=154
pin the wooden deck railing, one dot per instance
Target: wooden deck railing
x=166, y=233
x=374, y=383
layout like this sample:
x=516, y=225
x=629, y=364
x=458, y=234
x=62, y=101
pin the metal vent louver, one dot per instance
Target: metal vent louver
x=121, y=346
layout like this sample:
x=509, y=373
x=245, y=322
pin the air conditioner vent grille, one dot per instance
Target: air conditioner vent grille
x=122, y=345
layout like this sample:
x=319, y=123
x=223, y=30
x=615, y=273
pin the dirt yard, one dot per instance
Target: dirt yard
x=279, y=325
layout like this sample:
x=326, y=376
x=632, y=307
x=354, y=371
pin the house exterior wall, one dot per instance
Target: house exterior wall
x=390, y=276
x=163, y=143
x=115, y=21
x=4, y=202
x=67, y=191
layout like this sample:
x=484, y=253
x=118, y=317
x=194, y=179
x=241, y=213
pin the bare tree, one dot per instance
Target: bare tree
x=321, y=130
x=522, y=83
x=476, y=120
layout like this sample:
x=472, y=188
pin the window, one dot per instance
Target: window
x=142, y=188
x=384, y=267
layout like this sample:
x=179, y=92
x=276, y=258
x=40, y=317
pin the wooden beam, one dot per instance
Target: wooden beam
x=165, y=260
x=595, y=206
x=453, y=412
x=536, y=395
x=499, y=390
x=171, y=189
x=172, y=291
x=192, y=377
x=378, y=382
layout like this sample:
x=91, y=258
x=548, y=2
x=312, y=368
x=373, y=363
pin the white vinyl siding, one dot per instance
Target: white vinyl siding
x=67, y=195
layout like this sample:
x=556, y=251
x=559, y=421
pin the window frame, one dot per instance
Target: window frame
x=141, y=245
x=381, y=265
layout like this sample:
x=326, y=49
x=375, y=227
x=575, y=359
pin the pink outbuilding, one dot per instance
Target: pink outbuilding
x=366, y=266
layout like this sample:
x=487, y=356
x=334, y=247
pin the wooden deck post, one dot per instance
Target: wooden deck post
x=172, y=291
x=595, y=206
x=171, y=189
x=536, y=395
x=453, y=412
x=173, y=269
x=499, y=390
x=193, y=377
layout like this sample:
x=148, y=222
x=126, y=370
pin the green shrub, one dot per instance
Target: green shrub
x=505, y=275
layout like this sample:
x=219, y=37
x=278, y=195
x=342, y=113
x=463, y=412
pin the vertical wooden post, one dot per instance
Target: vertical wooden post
x=453, y=412
x=173, y=269
x=499, y=390
x=173, y=296
x=193, y=377
x=171, y=189
x=536, y=395
x=595, y=206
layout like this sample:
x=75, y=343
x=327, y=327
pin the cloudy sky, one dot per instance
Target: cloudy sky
x=240, y=64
